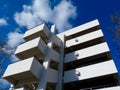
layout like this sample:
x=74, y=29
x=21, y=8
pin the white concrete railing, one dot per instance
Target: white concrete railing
x=35, y=47
x=110, y=88
x=91, y=71
x=25, y=71
x=38, y=31
x=84, y=38
x=87, y=52
x=82, y=27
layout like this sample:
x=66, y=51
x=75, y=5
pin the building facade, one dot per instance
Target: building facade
x=76, y=59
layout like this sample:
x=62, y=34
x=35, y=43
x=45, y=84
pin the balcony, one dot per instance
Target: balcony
x=18, y=89
x=84, y=38
x=86, y=52
x=23, y=72
x=87, y=61
x=82, y=29
x=84, y=41
x=38, y=31
x=35, y=47
x=91, y=71
x=110, y=88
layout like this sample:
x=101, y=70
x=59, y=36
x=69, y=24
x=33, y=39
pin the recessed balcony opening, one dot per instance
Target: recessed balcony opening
x=82, y=33
x=87, y=61
x=31, y=86
x=56, y=47
x=39, y=60
x=54, y=65
x=51, y=86
x=91, y=84
x=84, y=45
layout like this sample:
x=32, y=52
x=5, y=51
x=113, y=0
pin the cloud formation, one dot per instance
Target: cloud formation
x=38, y=12
x=41, y=11
x=3, y=22
x=14, y=39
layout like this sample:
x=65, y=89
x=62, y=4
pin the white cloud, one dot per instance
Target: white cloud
x=3, y=22
x=25, y=19
x=41, y=11
x=63, y=12
x=14, y=39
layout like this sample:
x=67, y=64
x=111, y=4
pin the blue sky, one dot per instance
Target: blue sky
x=18, y=16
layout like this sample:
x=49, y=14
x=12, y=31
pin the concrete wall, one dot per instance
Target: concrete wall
x=23, y=71
x=52, y=75
x=110, y=88
x=38, y=31
x=81, y=28
x=87, y=52
x=91, y=71
x=84, y=38
x=33, y=47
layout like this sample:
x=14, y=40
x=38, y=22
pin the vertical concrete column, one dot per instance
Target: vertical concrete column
x=60, y=68
x=43, y=76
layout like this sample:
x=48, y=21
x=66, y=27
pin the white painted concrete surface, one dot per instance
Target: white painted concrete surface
x=52, y=75
x=38, y=31
x=84, y=38
x=91, y=71
x=35, y=47
x=23, y=71
x=110, y=88
x=55, y=55
x=81, y=28
x=87, y=52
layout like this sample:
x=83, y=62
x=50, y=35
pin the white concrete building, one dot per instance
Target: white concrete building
x=77, y=59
